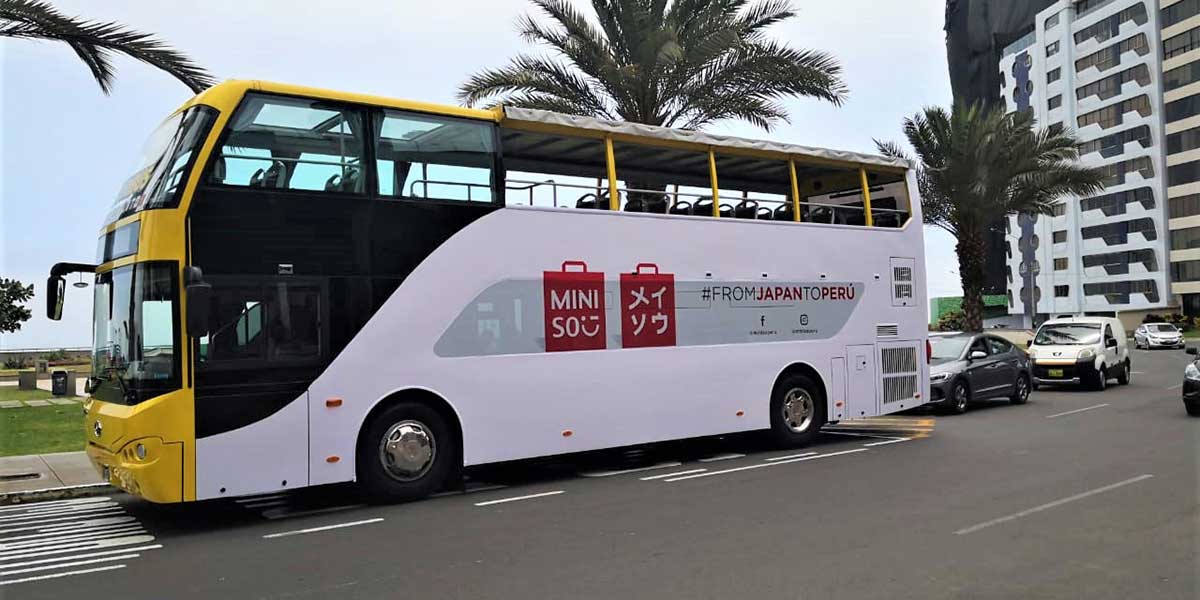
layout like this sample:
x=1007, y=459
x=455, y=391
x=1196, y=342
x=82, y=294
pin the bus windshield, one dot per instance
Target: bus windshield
x=134, y=348
x=167, y=158
x=1074, y=333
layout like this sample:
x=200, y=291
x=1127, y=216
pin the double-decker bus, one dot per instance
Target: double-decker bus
x=302, y=287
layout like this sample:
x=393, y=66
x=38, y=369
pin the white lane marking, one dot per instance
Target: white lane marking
x=284, y=513
x=1049, y=505
x=765, y=464
x=58, y=514
x=895, y=441
x=469, y=490
x=1175, y=387
x=78, y=537
x=266, y=504
x=78, y=563
x=63, y=574
x=662, y=465
x=789, y=456
x=42, y=561
x=34, y=510
x=882, y=437
x=72, y=526
x=80, y=547
x=676, y=473
x=1078, y=410
x=720, y=457
x=516, y=498
x=324, y=528
x=1137, y=372
x=52, y=504
x=55, y=533
x=105, y=512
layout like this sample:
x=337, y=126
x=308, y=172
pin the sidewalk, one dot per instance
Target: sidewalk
x=44, y=384
x=46, y=471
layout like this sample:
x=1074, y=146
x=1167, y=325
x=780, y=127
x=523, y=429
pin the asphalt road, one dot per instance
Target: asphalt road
x=1074, y=495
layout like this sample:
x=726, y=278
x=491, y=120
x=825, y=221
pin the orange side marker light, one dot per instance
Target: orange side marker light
x=333, y=459
x=333, y=402
x=567, y=433
x=740, y=413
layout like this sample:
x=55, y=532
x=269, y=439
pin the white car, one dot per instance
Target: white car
x=1080, y=350
x=1157, y=335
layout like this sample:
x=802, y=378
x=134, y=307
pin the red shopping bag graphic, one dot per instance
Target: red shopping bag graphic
x=647, y=307
x=573, y=303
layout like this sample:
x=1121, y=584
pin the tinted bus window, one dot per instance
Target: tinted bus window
x=436, y=158
x=292, y=143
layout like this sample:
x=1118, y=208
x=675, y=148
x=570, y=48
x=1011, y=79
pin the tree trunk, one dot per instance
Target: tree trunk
x=971, y=269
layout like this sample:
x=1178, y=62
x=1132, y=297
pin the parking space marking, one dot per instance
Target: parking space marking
x=1049, y=505
x=720, y=457
x=62, y=574
x=323, y=528
x=895, y=441
x=788, y=457
x=517, y=498
x=1078, y=410
x=763, y=465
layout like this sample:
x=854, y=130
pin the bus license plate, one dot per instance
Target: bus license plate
x=1056, y=372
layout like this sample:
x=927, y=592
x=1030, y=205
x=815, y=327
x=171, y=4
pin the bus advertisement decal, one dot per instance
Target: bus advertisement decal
x=574, y=308
x=647, y=308
x=577, y=309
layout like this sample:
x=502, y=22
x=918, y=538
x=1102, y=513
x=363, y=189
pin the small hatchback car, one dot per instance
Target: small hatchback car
x=1157, y=335
x=1080, y=350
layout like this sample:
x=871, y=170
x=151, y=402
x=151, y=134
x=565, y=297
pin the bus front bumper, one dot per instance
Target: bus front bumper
x=158, y=477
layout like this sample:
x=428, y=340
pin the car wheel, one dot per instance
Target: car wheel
x=959, y=399
x=1125, y=374
x=1020, y=390
x=797, y=411
x=1101, y=382
x=1192, y=409
x=407, y=452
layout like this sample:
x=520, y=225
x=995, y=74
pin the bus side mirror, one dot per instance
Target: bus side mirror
x=56, y=288
x=198, y=296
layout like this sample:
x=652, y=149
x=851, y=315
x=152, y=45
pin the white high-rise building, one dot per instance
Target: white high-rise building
x=1094, y=66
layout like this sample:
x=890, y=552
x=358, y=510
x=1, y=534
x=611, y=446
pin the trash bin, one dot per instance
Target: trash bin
x=58, y=383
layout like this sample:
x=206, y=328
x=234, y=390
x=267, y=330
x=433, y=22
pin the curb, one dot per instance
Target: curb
x=58, y=493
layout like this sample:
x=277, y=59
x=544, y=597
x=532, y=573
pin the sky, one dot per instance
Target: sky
x=65, y=147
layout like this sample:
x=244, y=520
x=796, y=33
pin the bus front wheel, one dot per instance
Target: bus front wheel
x=797, y=411
x=407, y=452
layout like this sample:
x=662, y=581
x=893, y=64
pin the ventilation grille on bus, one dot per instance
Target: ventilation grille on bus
x=900, y=372
x=902, y=281
x=887, y=330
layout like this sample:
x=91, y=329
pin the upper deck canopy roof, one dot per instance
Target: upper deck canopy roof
x=518, y=116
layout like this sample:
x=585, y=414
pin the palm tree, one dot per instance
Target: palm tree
x=684, y=63
x=95, y=42
x=978, y=165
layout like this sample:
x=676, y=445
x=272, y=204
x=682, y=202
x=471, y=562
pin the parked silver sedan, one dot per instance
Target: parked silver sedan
x=966, y=368
x=1157, y=335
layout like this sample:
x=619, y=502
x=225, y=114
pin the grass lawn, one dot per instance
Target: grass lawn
x=10, y=392
x=41, y=429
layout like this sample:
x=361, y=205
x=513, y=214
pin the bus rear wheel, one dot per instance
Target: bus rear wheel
x=406, y=453
x=797, y=411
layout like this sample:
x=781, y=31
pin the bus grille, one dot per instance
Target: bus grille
x=900, y=372
x=902, y=281
x=887, y=330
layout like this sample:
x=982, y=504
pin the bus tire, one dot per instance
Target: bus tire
x=797, y=411
x=406, y=452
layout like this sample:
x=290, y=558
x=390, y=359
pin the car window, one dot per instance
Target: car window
x=1108, y=334
x=979, y=345
x=998, y=345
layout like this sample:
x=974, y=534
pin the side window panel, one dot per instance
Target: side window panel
x=980, y=345
x=275, y=322
x=292, y=143
x=435, y=158
x=998, y=346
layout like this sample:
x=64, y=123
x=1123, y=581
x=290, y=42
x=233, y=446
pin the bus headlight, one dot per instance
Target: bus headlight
x=1087, y=353
x=1191, y=372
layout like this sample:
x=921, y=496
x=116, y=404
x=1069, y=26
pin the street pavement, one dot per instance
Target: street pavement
x=1077, y=494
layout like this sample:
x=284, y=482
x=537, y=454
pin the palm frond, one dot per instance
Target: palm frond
x=95, y=41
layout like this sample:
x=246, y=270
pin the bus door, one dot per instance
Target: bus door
x=265, y=345
x=860, y=384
